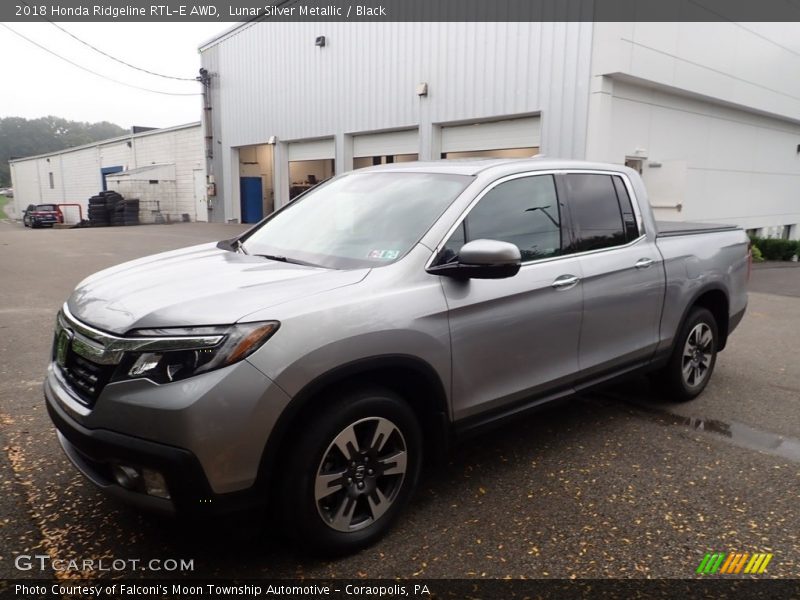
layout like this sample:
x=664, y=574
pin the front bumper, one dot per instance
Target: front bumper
x=205, y=435
x=94, y=451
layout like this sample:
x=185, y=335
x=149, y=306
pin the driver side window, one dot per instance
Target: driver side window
x=522, y=211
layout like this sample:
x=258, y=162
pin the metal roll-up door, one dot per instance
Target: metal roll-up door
x=311, y=150
x=493, y=135
x=389, y=143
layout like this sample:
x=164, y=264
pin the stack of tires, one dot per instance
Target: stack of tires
x=110, y=208
x=126, y=212
x=130, y=214
x=98, y=211
x=117, y=216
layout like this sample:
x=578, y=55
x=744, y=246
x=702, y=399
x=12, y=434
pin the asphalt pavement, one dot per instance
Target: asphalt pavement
x=775, y=277
x=613, y=484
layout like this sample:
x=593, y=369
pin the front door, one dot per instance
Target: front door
x=516, y=337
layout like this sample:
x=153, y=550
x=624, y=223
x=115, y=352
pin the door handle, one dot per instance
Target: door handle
x=564, y=282
x=644, y=263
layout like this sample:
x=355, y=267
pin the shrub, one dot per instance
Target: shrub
x=775, y=248
x=757, y=256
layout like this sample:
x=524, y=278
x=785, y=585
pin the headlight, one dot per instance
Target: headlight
x=166, y=355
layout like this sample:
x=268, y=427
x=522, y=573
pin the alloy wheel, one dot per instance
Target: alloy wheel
x=361, y=474
x=698, y=352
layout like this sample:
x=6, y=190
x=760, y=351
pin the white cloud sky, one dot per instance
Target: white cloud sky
x=37, y=84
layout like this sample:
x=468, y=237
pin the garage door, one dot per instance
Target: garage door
x=311, y=150
x=389, y=143
x=495, y=135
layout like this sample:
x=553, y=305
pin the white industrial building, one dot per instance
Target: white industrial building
x=164, y=168
x=709, y=112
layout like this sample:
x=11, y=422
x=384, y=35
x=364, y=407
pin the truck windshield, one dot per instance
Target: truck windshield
x=357, y=220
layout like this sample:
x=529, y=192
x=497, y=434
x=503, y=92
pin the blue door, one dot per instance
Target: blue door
x=108, y=171
x=252, y=199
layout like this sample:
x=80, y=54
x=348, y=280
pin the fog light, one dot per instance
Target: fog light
x=154, y=484
x=127, y=477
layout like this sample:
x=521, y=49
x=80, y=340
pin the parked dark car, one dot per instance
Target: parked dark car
x=39, y=215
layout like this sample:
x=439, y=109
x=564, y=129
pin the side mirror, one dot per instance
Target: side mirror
x=482, y=259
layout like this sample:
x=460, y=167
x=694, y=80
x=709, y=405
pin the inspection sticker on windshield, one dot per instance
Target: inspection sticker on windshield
x=384, y=254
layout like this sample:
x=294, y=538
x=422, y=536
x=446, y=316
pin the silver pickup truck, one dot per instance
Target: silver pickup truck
x=307, y=368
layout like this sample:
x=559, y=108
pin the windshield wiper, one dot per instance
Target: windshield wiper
x=294, y=261
x=277, y=257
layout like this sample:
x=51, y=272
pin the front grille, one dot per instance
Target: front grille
x=86, y=378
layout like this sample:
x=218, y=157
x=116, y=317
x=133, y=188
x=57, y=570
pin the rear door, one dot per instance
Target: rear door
x=512, y=338
x=623, y=275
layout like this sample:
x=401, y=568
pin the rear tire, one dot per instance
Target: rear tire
x=350, y=472
x=691, y=365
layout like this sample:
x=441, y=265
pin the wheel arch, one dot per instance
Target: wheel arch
x=408, y=376
x=714, y=298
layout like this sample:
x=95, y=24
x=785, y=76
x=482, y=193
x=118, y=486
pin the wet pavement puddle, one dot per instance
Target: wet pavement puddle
x=736, y=433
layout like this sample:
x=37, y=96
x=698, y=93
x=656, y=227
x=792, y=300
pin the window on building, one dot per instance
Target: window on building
x=635, y=164
x=52, y=182
x=521, y=211
x=597, y=219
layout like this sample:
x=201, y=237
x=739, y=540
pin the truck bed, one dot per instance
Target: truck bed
x=673, y=228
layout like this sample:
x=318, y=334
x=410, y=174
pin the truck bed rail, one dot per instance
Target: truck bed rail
x=675, y=228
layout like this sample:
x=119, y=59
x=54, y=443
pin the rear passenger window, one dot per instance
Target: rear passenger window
x=597, y=220
x=521, y=211
x=626, y=207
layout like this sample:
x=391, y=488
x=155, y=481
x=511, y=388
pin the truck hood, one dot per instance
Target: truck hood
x=200, y=285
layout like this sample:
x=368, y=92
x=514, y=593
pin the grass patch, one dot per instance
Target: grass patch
x=3, y=202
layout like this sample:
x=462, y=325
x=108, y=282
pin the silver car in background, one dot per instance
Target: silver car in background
x=308, y=367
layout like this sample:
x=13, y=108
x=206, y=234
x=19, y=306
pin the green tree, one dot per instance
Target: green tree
x=27, y=137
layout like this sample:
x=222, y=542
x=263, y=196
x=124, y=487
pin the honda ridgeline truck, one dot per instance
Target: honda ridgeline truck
x=307, y=367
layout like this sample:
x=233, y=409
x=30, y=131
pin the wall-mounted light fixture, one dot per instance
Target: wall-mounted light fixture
x=272, y=140
x=422, y=89
x=320, y=41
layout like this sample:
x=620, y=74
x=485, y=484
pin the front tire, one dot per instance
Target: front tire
x=350, y=472
x=692, y=362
